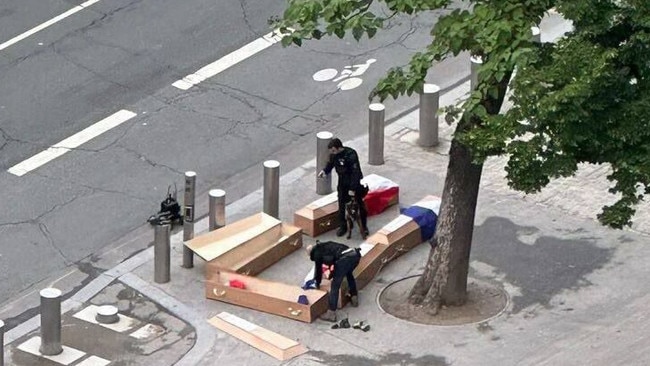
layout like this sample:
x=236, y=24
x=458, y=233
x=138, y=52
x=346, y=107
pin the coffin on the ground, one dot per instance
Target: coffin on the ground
x=247, y=246
x=414, y=225
x=253, y=259
x=253, y=230
x=320, y=216
x=268, y=296
x=394, y=239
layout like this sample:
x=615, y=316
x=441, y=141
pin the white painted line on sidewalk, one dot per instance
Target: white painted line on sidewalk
x=71, y=142
x=228, y=60
x=48, y=23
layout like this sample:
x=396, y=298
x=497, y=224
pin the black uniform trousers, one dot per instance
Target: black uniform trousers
x=344, y=268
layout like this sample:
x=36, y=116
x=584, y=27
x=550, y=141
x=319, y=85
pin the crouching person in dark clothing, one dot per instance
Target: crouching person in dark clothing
x=345, y=260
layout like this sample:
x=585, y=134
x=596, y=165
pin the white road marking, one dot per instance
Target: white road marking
x=42, y=26
x=228, y=60
x=71, y=142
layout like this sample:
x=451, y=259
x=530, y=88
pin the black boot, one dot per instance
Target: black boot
x=341, y=231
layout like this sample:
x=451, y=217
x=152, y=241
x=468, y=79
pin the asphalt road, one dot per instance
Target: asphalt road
x=60, y=218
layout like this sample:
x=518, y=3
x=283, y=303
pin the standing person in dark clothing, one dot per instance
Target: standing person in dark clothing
x=345, y=260
x=346, y=162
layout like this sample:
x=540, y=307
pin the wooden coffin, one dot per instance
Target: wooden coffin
x=268, y=296
x=371, y=264
x=276, y=345
x=254, y=231
x=255, y=256
x=319, y=216
x=400, y=235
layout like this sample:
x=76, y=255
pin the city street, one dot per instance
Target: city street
x=69, y=69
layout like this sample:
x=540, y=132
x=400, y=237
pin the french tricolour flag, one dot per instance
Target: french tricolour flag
x=382, y=192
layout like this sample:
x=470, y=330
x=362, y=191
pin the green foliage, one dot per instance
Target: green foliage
x=587, y=100
x=583, y=100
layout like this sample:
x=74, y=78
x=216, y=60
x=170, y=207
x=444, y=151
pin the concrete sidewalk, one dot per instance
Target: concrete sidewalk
x=577, y=291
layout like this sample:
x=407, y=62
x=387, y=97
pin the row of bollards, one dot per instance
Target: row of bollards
x=428, y=137
x=216, y=219
x=50, y=307
x=429, y=104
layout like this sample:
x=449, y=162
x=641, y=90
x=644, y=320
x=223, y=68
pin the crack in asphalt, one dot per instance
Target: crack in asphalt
x=46, y=233
x=92, y=189
x=187, y=108
x=246, y=102
x=6, y=137
x=402, y=38
x=37, y=219
x=242, y=3
x=303, y=112
x=43, y=228
x=86, y=68
x=112, y=12
x=154, y=164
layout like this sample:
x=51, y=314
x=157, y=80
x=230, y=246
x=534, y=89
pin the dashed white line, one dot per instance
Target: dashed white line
x=71, y=142
x=46, y=24
x=228, y=60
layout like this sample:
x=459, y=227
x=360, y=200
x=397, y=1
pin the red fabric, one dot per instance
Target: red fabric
x=377, y=200
x=237, y=284
x=328, y=271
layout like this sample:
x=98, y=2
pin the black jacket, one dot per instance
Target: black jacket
x=327, y=252
x=347, y=167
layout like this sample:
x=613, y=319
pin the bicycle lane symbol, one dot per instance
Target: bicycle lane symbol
x=349, y=76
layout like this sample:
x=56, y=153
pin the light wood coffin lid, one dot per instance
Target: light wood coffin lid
x=247, y=252
x=321, y=207
x=290, y=239
x=276, y=345
x=214, y=243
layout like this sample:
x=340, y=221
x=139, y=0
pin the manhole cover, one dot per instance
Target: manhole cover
x=484, y=301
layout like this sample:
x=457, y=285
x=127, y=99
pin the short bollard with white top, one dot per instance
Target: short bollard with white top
x=50, y=322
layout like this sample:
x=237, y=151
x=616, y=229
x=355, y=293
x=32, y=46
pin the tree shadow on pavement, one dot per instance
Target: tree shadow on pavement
x=388, y=359
x=540, y=266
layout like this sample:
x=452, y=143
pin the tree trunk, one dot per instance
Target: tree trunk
x=444, y=281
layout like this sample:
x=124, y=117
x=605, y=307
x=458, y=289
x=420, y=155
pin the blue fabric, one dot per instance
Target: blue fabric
x=302, y=299
x=310, y=284
x=425, y=218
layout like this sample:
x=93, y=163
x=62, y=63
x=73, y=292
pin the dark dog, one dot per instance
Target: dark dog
x=353, y=215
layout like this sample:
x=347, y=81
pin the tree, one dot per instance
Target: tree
x=584, y=99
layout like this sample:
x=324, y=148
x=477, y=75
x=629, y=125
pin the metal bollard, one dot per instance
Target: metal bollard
x=50, y=322
x=161, y=254
x=376, y=134
x=271, y=188
x=188, y=218
x=323, y=185
x=217, y=203
x=429, y=102
x=537, y=34
x=2, y=343
x=476, y=62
